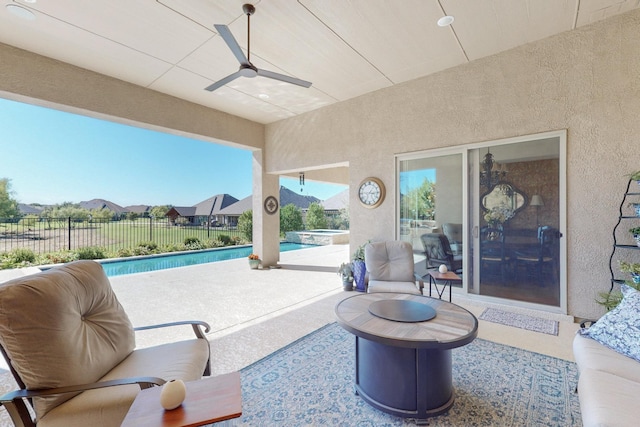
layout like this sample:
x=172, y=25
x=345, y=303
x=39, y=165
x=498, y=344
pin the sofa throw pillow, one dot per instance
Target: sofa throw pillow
x=619, y=329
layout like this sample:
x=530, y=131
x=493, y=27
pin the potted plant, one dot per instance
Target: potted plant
x=635, y=231
x=346, y=273
x=635, y=176
x=254, y=261
x=636, y=208
x=358, y=267
x=633, y=268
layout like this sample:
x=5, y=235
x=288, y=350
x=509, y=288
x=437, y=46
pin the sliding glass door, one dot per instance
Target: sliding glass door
x=431, y=204
x=498, y=207
x=517, y=229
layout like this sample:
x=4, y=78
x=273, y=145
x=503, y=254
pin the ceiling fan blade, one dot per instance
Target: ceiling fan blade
x=226, y=35
x=284, y=78
x=223, y=82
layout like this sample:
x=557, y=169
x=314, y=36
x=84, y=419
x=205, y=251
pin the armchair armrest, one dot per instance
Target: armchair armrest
x=19, y=413
x=197, y=326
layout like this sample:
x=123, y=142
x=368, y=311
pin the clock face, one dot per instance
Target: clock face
x=371, y=192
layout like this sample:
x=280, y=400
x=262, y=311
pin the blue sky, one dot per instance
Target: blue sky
x=53, y=157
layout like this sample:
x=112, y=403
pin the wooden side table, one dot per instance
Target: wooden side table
x=208, y=400
x=446, y=278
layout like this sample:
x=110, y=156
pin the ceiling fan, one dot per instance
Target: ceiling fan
x=247, y=69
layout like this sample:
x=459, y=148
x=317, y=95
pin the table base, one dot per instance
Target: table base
x=405, y=382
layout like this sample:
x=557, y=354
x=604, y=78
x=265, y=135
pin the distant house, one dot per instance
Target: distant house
x=29, y=209
x=287, y=197
x=333, y=205
x=141, y=210
x=118, y=211
x=205, y=212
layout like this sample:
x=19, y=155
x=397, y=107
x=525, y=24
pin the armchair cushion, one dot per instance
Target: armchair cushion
x=179, y=360
x=63, y=327
x=390, y=267
x=390, y=261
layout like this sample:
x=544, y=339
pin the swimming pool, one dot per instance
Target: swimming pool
x=161, y=262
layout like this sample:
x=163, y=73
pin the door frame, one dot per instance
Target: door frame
x=468, y=182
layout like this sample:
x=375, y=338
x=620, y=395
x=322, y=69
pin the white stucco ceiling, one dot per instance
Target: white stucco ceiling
x=345, y=48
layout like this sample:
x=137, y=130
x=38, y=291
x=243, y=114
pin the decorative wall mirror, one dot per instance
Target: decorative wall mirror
x=506, y=197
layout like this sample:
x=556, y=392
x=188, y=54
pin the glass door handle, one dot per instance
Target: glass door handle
x=475, y=231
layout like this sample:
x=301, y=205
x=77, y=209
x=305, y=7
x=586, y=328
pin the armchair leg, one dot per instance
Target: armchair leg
x=19, y=414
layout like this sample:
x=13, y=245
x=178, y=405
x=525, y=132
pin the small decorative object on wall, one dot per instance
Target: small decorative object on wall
x=271, y=205
x=371, y=192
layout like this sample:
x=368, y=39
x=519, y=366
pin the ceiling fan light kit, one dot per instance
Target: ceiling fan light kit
x=247, y=69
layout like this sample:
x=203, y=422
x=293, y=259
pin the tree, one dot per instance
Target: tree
x=245, y=225
x=316, y=217
x=159, y=212
x=102, y=215
x=66, y=210
x=420, y=202
x=8, y=206
x=132, y=216
x=340, y=221
x=290, y=219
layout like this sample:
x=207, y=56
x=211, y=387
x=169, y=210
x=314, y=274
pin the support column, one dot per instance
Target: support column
x=266, y=227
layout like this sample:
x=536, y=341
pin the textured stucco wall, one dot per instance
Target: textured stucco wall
x=586, y=81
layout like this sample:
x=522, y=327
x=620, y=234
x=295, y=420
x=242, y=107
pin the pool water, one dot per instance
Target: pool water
x=161, y=262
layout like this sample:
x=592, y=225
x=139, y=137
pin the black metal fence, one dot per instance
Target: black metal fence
x=45, y=235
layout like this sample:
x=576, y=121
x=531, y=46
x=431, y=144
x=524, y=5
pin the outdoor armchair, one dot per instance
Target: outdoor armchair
x=390, y=268
x=71, y=348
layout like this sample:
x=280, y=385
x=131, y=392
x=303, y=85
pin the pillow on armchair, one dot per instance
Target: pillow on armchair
x=619, y=329
x=63, y=327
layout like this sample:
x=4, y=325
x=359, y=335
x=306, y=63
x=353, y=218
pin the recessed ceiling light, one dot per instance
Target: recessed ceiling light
x=263, y=96
x=30, y=1
x=445, y=21
x=21, y=12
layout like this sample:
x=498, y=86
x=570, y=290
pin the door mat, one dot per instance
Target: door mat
x=521, y=321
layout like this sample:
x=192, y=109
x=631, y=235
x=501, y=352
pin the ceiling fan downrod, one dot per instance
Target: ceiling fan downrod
x=248, y=10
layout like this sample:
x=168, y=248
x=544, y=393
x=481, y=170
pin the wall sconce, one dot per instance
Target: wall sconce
x=536, y=200
x=492, y=172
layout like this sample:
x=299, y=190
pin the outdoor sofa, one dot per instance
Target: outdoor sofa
x=608, y=357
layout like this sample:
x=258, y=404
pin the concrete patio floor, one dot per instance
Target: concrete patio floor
x=253, y=313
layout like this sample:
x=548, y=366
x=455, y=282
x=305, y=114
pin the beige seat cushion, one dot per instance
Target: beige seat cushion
x=401, y=287
x=185, y=360
x=390, y=261
x=607, y=399
x=63, y=327
x=590, y=354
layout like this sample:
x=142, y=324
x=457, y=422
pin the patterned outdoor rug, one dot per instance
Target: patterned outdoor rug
x=521, y=321
x=310, y=383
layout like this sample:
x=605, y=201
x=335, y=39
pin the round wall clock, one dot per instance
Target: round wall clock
x=371, y=192
x=271, y=205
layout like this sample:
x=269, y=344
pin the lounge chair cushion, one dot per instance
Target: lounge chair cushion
x=63, y=327
x=184, y=360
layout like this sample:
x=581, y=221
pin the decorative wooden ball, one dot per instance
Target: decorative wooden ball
x=172, y=394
